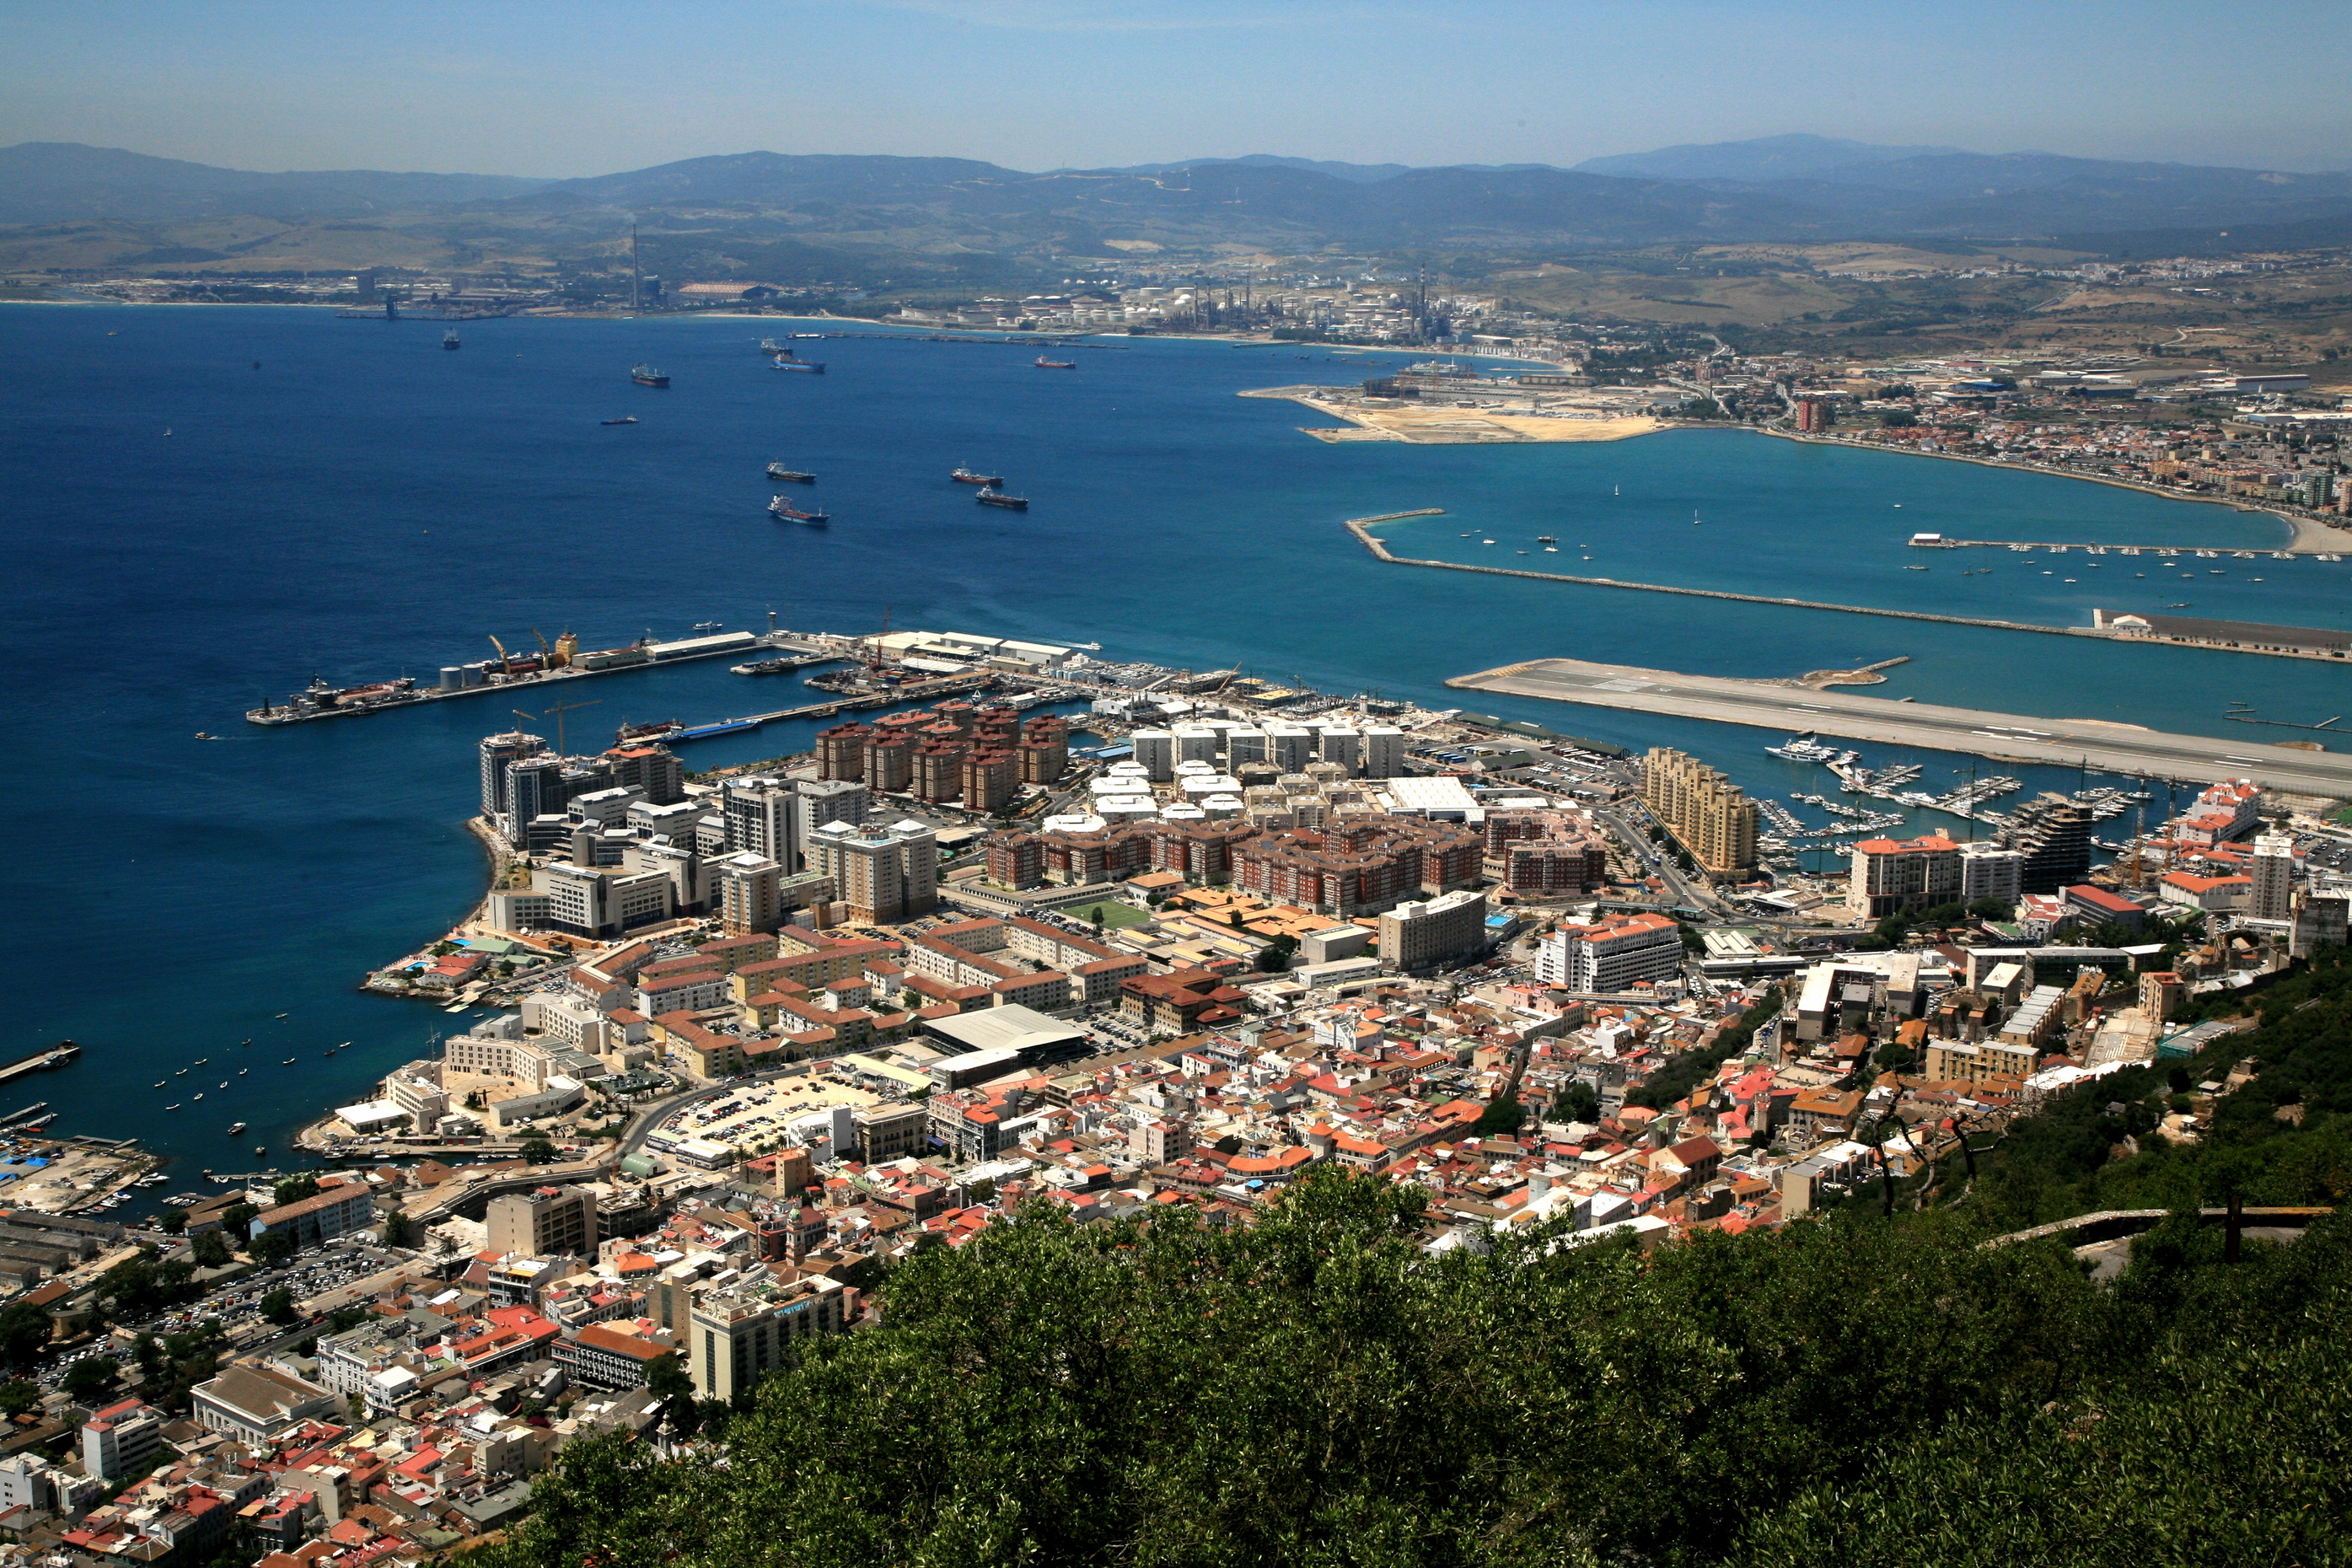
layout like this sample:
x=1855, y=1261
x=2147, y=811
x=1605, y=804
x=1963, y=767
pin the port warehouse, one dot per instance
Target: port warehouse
x=2224, y=634
x=561, y=663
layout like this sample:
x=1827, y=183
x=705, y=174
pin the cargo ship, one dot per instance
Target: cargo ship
x=966, y=477
x=647, y=375
x=771, y=346
x=812, y=366
x=647, y=734
x=449, y=339
x=782, y=508
x=991, y=496
x=623, y=419
x=724, y=727
x=778, y=471
x=1044, y=364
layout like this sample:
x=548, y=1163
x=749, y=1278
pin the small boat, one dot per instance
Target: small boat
x=161, y=1082
x=792, y=475
x=623, y=419
x=261, y=1148
x=281, y=1014
x=202, y=736
x=1044, y=364
x=1546, y=539
x=182, y=1073
x=223, y=1083
x=815, y=367
x=328, y=1052
x=200, y=1061
x=198, y=1097
x=781, y=508
x=286, y=1063
x=235, y=1128
x=647, y=375
x=1923, y=569
x=988, y=495
x=171, y=1108
x=805, y=334
x=771, y=346
x=449, y=339
x=242, y=1071
x=966, y=477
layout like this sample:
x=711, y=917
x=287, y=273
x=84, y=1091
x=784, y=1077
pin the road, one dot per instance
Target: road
x=2007, y=737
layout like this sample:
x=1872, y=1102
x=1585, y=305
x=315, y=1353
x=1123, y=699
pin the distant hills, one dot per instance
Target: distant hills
x=742, y=206
x=65, y=182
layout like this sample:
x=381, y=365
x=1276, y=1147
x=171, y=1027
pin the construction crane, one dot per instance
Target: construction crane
x=558, y=712
x=506, y=660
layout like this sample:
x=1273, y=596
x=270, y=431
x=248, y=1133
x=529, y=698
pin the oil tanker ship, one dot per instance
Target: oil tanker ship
x=647, y=375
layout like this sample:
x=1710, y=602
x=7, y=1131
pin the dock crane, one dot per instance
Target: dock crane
x=546, y=654
x=506, y=660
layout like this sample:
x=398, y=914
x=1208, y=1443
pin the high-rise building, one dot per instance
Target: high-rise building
x=841, y=751
x=1610, y=955
x=2053, y=836
x=748, y=893
x=1383, y=751
x=498, y=750
x=545, y=1222
x=1156, y=751
x=534, y=788
x=1812, y=416
x=1045, y=749
x=1419, y=935
x=1289, y=747
x=881, y=873
x=1990, y=871
x=816, y=802
x=888, y=761
x=1243, y=746
x=759, y=819
x=1343, y=746
x=1892, y=878
x=1707, y=814
x=992, y=778
x=744, y=1329
x=2319, y=921
x=2271, y=897
x=655, y=770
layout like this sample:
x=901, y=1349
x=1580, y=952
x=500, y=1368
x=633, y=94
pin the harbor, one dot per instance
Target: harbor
x=555, y=663
x=2008, y=737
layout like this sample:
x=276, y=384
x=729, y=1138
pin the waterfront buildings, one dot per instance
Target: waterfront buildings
x=1708, y=815
x=880, y=873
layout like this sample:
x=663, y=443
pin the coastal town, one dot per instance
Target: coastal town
x=1128, y=940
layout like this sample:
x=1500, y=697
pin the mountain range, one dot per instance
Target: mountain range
x=1781, y=188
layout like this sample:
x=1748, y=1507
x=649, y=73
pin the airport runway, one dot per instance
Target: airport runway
x=2010, y=737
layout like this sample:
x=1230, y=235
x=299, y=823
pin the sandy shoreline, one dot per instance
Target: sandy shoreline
x=2307, y=537
x=1451, y=427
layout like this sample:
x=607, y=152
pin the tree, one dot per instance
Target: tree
x=667, y=1378
x=234, y=1218
x=1501, y=1119
x=277, y=1306
x=1096, y=913
x=88, y=1377
x=24, y=1333
x=172, y=1221
x=211, y=1248
x=272, y=1247
x=294, y=1189
x=401, y=1230
x=1992, y=909
x=18, y=1395
x=1898, y=419
x=537, y=1150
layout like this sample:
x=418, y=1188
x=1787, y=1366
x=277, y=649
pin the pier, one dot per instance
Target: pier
x=39, y=1061
x=953, y=685
x=1361, y=528
x=2007, y=737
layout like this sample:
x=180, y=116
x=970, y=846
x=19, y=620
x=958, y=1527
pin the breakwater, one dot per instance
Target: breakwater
x=1361, y=527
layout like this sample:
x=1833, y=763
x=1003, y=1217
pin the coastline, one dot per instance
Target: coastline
x=2305, y=537
x=1451, y=427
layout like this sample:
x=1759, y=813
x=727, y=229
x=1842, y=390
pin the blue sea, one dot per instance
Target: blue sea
x=203, y=506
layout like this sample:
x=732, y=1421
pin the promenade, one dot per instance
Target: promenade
x=2008, y=737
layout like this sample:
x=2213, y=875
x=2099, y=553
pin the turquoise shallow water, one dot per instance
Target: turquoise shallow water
x=364, y=503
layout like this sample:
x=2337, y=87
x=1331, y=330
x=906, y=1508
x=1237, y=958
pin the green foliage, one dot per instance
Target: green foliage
x=401, y=1230
x=272, y=1247
x=537, y=1150
x=140, y=1287
x=1319, y=1390
x=24, y=1333
x=236, y=1216
x=211, y=1248
x=277, y=1306
x=172, y=1221
x=88, y=1377
x=1501, y=1119
x=1679, y=1076
x=18, y=1395
x=294, y=1189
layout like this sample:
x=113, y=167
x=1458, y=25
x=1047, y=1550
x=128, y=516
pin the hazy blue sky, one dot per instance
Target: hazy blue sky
x=584, y=87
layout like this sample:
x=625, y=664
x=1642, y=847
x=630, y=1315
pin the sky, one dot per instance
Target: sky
x=585, y=87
